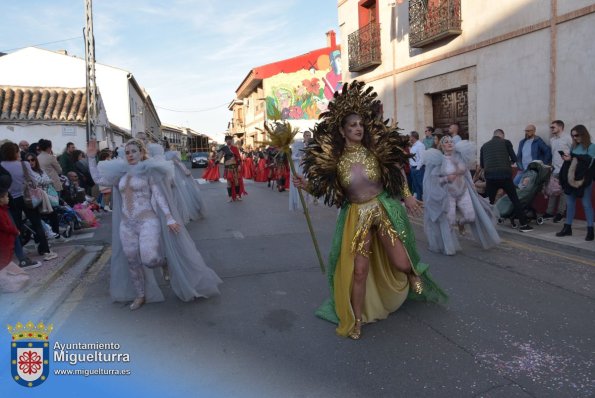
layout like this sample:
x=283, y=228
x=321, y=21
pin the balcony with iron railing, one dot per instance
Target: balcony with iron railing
x=364, y=47
x=431, y=21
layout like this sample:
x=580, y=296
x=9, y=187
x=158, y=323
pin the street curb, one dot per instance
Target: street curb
x=527, y=238
x=41, y=301
x=70, y=259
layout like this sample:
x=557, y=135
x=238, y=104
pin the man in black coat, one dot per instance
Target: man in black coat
x=495, y=158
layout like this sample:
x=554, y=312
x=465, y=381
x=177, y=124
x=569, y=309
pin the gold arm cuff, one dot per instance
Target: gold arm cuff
x=405, y=192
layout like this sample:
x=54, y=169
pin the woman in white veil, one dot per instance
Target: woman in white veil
x=450, y=199
x=147, y=231
x=190, y=194
x=297, y=155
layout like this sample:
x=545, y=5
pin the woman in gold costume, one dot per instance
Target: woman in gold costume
x=354, y=162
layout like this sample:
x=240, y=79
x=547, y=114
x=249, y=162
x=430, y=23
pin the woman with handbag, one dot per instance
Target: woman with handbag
x=23, y=193
x=45, y=182
x=576, y=178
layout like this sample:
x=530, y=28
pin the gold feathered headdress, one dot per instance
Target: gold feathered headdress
x=322, y=154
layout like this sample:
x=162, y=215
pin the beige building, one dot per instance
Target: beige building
x=237, y=124
x=176, y=137
x=485, y=64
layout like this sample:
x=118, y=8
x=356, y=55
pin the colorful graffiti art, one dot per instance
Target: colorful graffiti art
x=306, y=93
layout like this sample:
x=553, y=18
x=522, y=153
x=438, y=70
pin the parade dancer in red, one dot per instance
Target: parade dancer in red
x=212, y=172
x=232, y=163
x=261, y=168
x=248, y=165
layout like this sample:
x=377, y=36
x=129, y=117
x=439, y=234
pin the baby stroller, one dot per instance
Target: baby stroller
x=68, y=219
x=532, y=181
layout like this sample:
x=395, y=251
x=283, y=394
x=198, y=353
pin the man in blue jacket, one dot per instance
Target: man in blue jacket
x=531, y=148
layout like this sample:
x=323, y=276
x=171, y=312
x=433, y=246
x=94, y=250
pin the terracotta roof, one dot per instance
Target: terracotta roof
x=56, y=104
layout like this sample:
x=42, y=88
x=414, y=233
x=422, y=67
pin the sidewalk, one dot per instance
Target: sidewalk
x=49, y=284
x=545, y=235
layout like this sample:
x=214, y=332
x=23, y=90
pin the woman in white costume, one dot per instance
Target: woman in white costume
x=450, y=199
x=147, y=232
x=185, y=190
x=296, y=157
x=188, y=187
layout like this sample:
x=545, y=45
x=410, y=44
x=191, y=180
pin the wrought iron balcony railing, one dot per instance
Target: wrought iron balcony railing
x=364, y=47
x=433, y=20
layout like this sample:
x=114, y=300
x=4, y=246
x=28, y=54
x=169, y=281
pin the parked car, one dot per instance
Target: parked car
x=199, y=159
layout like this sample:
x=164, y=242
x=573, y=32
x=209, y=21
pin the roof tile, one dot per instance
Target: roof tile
x=42, y=104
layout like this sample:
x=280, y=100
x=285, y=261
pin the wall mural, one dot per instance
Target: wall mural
x=306, y=93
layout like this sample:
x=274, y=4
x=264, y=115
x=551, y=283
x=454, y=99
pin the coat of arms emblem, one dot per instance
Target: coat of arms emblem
x=29, y=353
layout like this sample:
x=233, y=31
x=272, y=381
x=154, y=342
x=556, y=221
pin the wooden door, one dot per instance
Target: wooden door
x=449, y=107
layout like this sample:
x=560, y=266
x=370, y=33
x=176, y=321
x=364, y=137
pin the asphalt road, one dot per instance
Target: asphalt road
x=519, y=323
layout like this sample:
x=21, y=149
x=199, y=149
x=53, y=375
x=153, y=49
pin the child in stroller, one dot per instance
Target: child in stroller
x=532, y=182
x=68, y=221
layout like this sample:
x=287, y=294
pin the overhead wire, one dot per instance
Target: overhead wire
x=160, y=107
x=193, y=111
x=41, y=44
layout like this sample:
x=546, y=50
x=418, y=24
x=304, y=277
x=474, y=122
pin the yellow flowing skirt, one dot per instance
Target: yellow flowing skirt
x=386, y=287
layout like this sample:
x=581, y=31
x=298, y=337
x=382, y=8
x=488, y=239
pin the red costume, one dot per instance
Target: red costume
x=248, y=168
x=8, y=233
x=233, y=175
x=261, y=170
x=212, y=171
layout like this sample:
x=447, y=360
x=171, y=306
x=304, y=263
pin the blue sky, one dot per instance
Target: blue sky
x=187, y=54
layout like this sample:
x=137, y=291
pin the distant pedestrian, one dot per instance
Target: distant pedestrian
x=429, y=138
x=416, y=164
x=560, y=143
x=66, y=159
x=49, y=164
x=297, y=155
x=437, y=136
x=454, y=132
x=24, y=147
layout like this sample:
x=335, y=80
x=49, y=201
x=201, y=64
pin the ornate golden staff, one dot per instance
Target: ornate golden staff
x=281, y=136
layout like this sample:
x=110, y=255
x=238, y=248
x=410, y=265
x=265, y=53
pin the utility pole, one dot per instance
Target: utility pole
x=91, y=87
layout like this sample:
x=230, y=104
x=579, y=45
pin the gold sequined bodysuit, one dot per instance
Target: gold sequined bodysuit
x=359, y=175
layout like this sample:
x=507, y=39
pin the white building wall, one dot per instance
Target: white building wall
x=44, y=68
x=114, y=86
x=136, y=108
x=508, y=81
x=575, y=68
x=58, y=134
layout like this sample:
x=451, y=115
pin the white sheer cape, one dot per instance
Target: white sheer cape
x=441, y=237
x=190, y=276
x=187, y=192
